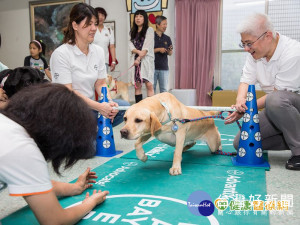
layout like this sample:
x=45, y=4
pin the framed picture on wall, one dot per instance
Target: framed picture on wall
x=111, y=25
x=48, y=20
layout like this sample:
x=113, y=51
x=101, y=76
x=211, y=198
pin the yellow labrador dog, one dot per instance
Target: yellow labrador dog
x=118, y=89
x=154, y=116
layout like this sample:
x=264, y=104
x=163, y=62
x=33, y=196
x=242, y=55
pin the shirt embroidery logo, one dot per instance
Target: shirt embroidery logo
x=95, y=67
x=56, y=75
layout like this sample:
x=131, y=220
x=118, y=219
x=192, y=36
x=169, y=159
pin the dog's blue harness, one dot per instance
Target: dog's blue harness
x=175, y=126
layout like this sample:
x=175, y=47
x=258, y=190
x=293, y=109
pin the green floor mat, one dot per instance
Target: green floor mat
x=144, y=193
x=199, y=153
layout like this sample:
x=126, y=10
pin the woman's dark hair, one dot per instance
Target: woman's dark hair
x=59, y=121
x=78, y=13
x=134, y=29
x=101, y=10
x=40, y=45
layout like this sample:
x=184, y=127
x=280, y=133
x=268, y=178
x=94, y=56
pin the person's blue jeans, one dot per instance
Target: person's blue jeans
x=119, y=117
x=162, y=76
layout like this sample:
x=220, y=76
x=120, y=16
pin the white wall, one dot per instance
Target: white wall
x=15, y=31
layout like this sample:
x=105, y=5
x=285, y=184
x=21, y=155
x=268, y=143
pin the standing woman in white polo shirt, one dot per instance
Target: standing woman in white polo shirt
x=104, y=37
x=80, y=65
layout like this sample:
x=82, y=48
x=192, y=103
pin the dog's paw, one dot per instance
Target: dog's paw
x=174, y=171
x=144, y=158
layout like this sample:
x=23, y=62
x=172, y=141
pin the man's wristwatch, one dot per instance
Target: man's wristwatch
x=114, y=62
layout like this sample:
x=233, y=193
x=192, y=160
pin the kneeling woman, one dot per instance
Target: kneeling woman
x=47, y=122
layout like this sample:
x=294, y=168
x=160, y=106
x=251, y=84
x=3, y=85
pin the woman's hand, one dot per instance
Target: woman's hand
x=137, y=62
x=142, y=53
x=84, y=181
x=115, y=110
x=112, y=66
x=108, y=109
x=97, y=197
x=3, y=96
x=232, y=117
x=240, y=105
x=3, y=99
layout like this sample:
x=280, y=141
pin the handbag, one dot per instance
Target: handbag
x=110, y=58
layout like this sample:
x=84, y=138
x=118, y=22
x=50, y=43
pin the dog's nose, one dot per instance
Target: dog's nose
x=124, y=133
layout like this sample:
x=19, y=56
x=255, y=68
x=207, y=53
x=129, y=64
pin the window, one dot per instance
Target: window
x=232, y=56
x=284, y=15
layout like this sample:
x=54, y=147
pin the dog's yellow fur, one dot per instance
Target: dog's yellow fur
x=122, y=88
x=144, y=119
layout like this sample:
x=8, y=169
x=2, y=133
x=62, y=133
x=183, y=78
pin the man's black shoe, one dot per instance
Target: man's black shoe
x=293, y=163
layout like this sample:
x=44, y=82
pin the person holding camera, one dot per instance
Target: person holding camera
x=162, y=48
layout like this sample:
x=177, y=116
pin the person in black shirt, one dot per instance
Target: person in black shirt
x=162, y=48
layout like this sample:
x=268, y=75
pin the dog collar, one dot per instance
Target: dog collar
x=168, y=111
x=115, y=87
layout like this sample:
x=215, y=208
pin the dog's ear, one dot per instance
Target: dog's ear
x=155, y=125
x=39, y=76
x=22, y=77
x=16, y=76
x=8, y=87
x=4, y=73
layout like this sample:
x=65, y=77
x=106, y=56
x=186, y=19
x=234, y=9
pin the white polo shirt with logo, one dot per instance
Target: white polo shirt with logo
x=23, y=167
x=69, y=65
x=281, y=72
x=104, y=39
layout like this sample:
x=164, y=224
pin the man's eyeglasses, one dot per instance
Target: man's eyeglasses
x=249, y=45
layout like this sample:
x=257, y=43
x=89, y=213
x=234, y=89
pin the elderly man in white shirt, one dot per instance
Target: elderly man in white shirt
x=273, y=63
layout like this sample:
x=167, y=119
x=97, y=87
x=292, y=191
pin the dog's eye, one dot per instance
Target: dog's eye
x=138, y=120
x=28, y=83
x=125, y=119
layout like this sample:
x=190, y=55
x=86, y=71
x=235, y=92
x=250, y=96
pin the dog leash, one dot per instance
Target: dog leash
x=220, y=115
x=175, y=126
x=138, y=71
x=124, y=72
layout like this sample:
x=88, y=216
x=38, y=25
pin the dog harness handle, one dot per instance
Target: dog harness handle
x=168, y=111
